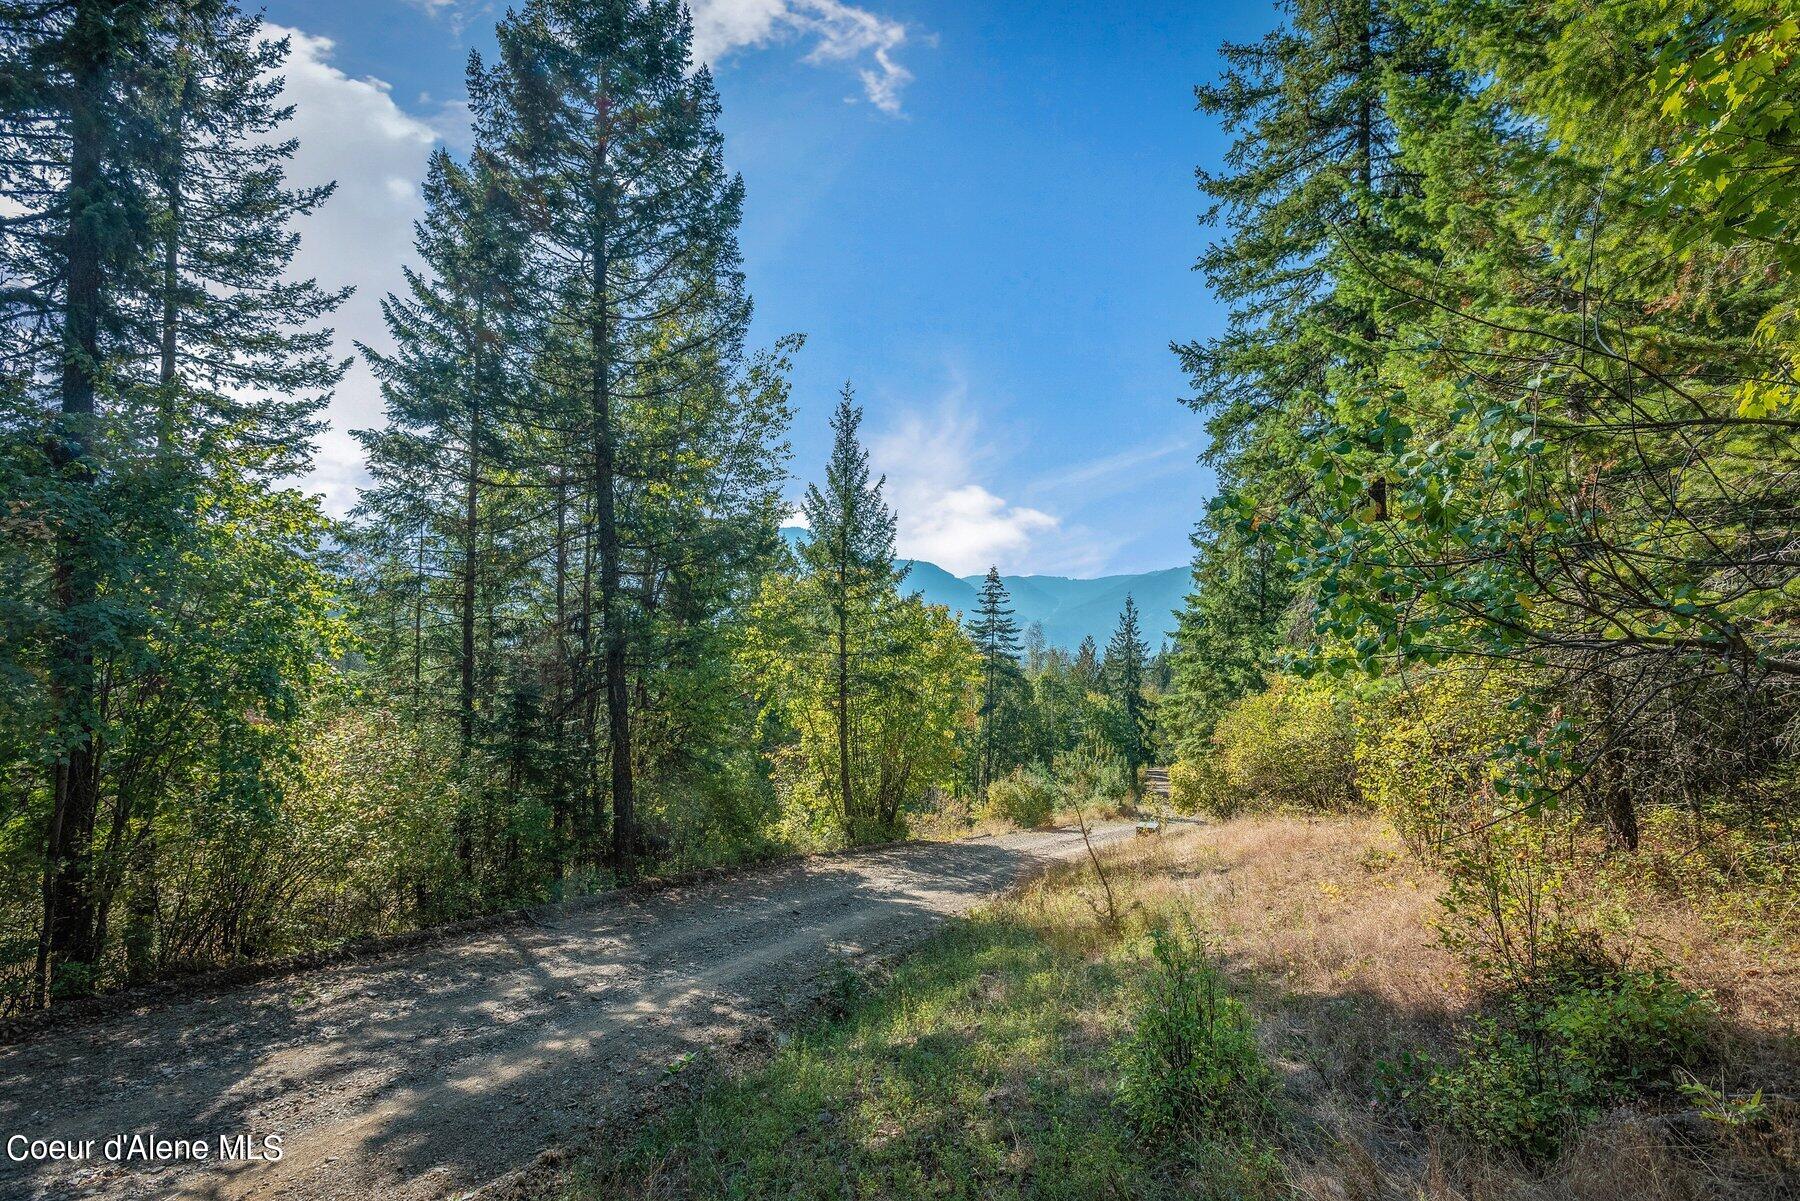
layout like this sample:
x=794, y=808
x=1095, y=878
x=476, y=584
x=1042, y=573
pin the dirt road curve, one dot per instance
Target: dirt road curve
x=426, y=1072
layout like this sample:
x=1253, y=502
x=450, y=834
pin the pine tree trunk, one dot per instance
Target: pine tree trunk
x=67, y=932
x=418, y=624
x=141, y=905
x=465, y=708
x=843, y=691
x=618, y=705
x=559, y=790
x=465, y=696
x=618, y=699
x=591, y=811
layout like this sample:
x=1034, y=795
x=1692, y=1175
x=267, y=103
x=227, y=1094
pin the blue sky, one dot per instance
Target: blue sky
x=982, y=213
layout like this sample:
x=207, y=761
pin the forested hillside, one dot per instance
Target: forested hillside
x=1064, y=610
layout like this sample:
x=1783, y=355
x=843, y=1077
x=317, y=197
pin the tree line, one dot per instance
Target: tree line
x=1504, y=421
x=560, y=640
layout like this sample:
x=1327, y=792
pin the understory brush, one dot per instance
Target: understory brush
x=1192, y=1075
x=1088, y=779
x=1287, y=748
x=1526, y=1079
x=1025, y=796
x=1276, y=1011
x=1734, y=862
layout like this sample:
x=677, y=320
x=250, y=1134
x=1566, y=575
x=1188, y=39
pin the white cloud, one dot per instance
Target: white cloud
x=453, y=123
x=944, y=515
x=838, y=33
x=352, y=131
x=456, y=13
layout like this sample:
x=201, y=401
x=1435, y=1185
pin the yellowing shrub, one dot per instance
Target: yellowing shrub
x=1023, y=797
x=1289, y=747
x=1193, y=786
x=1425, y=749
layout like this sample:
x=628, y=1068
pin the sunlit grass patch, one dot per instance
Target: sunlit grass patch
x=987, y=1067
x=1015, y=1054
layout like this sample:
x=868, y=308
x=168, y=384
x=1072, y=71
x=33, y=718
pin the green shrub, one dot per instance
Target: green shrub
x=1523, y=1082
x=1026, y=796
x=1426, y=750
x=1194, y=786
x=1289, y=747
x=1191, y=1062
x=1513, y=906
x=1089, y=776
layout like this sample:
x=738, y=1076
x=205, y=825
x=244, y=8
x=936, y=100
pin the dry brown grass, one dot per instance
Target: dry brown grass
x=1698, y=897
x=1328, y=925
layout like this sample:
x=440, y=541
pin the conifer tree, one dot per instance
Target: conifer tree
x=996, y=636
x=242, y=364
x=227, y=405
x=462, y=338
x=1310, y=182
x=159, y=378
x=74, y=224
x=1126, y=656
x=1313, y=186
x=1086, y=667
x=850, y=554
x=1229, y=629
x=614, y=143
x=869, y=688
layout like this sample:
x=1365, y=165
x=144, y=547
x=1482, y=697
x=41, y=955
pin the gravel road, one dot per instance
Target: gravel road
x=431, y=1071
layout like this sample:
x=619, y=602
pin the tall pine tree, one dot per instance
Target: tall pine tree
x=159, y=378
x=1313, y=187
x=462, y=336
x=850, y=555
x=996, y=635
x=615, y=146
x=1126, y=657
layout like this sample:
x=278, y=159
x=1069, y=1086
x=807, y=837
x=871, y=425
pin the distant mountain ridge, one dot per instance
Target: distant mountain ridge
x=1068, y=609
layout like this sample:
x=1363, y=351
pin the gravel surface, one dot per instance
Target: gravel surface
x=434, y=1070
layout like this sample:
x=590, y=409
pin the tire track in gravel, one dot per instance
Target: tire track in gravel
x=432, y=1070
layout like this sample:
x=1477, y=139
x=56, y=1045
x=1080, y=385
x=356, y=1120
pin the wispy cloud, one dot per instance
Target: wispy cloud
x=453, y=121
x=457, y=14
x=932, y=458
x=837, y=33
x=1119, y=471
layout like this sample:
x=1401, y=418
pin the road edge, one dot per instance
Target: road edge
x=23, y=1028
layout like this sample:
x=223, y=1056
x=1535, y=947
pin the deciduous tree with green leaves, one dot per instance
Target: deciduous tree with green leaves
x=875, y=686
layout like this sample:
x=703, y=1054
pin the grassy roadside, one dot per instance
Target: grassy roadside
x=984, y=1066
x=989, y=1063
